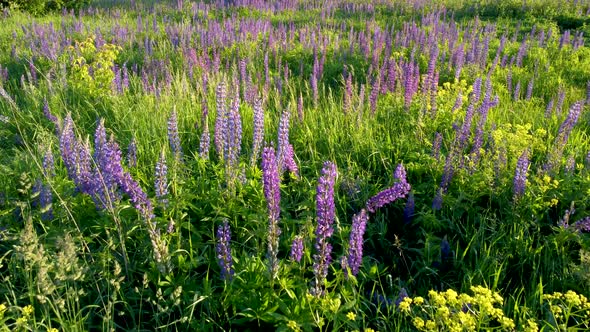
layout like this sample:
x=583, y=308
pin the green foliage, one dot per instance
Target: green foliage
x=39, y=7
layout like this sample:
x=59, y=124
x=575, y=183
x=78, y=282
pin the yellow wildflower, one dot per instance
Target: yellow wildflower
x=418, y=322
x=28, y=310
x=351, y=315
x=430, y=325
x=404, y=306
x=531, y=326
x=293, y=325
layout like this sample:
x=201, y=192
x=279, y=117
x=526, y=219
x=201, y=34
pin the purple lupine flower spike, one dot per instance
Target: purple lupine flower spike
x=272, y=193
x=582, y=225
x=438, y=200
x=173, y=136
x=289, y=163
x=283, y=139
x=519, y=183
x=399, y=190
x=223, y=251
x=161, y=180
x=326, y=214
x=48, y=115
x=355, y=245
x=297, y=249
x=436, y=145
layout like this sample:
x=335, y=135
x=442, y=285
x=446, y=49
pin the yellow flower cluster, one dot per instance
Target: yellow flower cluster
x=450, y=311
x=569, y=309
x=92, y=68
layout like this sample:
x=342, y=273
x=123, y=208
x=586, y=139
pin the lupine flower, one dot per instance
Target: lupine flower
x=325, y=211
x=438, y=200
x=314, y=88
x=289, y=163
x=399, y=190
x=233, y=141
x=436, y=145
x=583, y=225
x=519, y=183
x=459, y=60
x=272, y=193
x=354, y=258
x=161, y=180
x=108, y=171
x=347, y=93
x=476, y=93
x=223, y=251
x=50, y=116
x=549, y=108
x=173, y=136
x=283, y=139
x=258, y=131
x=561, y=139
x=83, y=177
x=297, y=249
x=588, y=93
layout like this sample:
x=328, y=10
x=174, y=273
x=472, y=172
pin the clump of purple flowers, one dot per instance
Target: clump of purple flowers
x=399, y=190
x=272, y=193
x=519, y=182
x=296, y=249
x=173, y=136
x=354, y=258
x=223, y=251
x=326, y=214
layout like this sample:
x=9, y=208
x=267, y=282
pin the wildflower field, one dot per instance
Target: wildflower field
x=291, y=165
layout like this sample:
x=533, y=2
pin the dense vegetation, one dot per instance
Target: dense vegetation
x=295, y=165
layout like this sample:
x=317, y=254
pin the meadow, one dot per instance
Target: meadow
x=295, y=165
